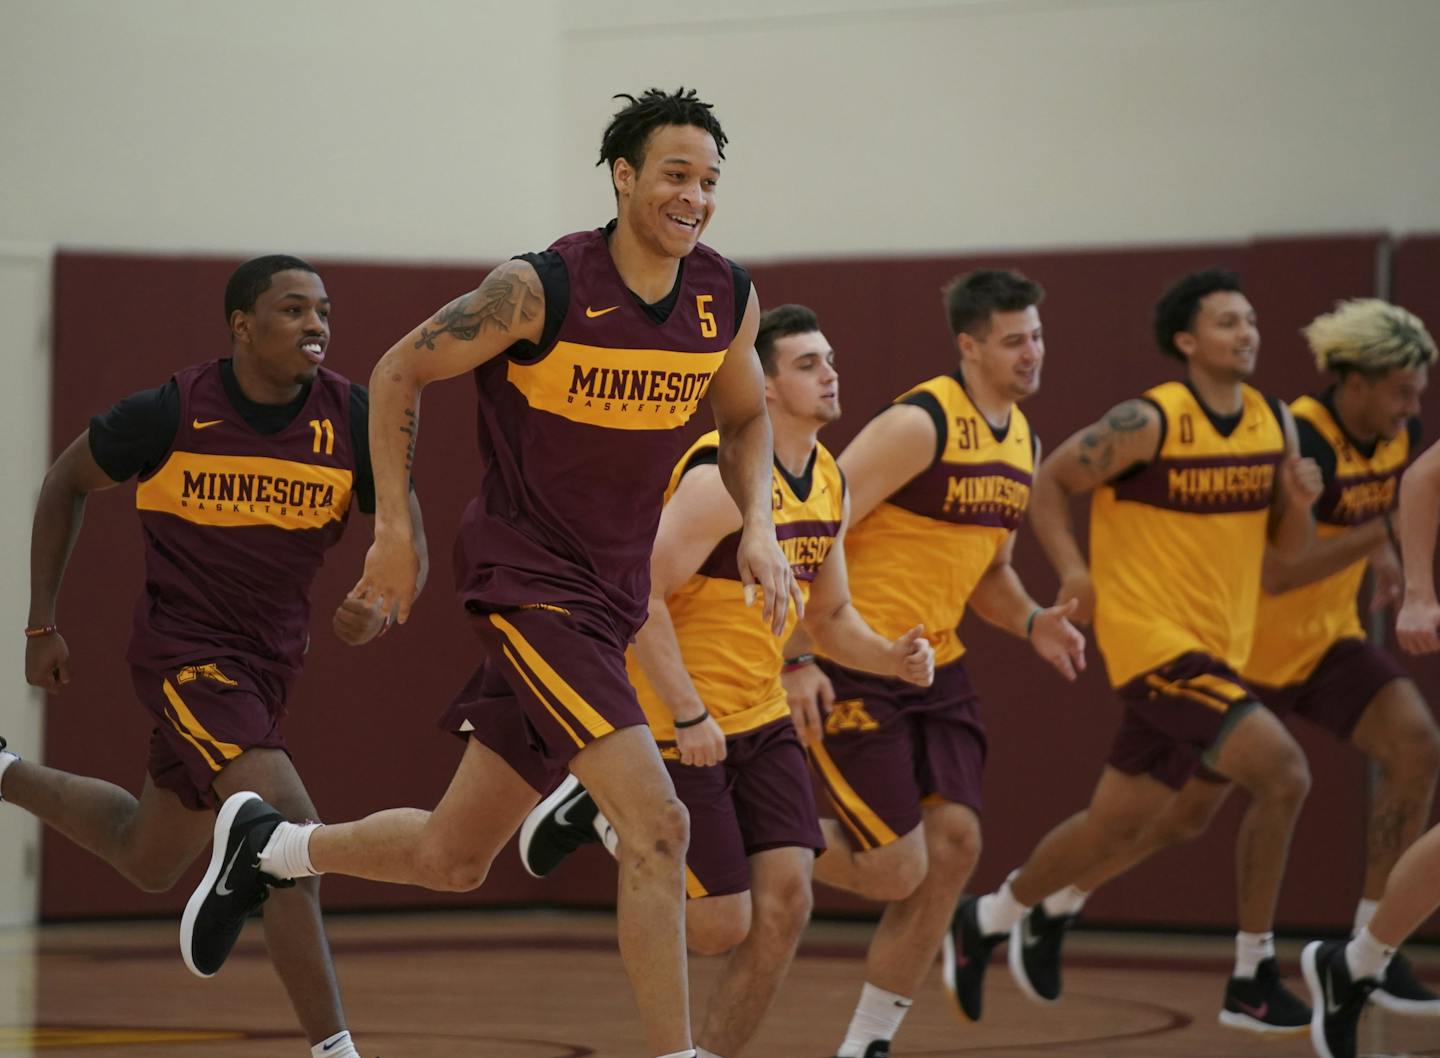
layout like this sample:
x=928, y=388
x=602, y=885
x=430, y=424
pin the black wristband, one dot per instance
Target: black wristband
x=694, y=720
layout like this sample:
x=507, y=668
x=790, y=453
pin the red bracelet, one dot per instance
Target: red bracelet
x=36, y=631
x=799, y=661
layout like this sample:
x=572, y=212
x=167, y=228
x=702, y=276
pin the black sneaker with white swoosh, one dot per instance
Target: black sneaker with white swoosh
x=1035, y=944
x=233, y=885
x=557, y=826
x=1337, y=1000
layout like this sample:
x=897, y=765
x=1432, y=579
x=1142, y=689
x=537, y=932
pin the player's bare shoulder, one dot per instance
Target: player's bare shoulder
x=1127, y=435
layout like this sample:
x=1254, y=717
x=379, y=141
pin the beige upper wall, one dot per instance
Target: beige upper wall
x=935, y=126
x=464, y=129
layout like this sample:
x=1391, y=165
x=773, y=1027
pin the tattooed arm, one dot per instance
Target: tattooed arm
x=1128, y=436
x=507, y=307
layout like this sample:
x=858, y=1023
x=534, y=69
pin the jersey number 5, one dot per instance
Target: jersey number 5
x=324, y=426
x=707, y=318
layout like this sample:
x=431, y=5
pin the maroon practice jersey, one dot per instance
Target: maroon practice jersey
x=580, y=434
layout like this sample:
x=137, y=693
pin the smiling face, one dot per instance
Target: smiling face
x=805, y=385
x=669, y=200
x=1383, y=404
x=1007, y=354
x=285, y=335
x=1223, y=342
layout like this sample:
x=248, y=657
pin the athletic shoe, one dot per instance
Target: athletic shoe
x=557, y=826
x=233, y=886
x=965, y=956
x=1035, y=943
x=877, y=1049
x=1337, y=999
x=1401, y=993
x=1263, y=1004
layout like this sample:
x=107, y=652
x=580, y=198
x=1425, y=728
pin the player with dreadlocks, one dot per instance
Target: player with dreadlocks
x=588, y=359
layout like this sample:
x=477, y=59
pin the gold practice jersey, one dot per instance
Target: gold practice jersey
x=1293, y=631
x=917, y=557
x=730, y=653
x=1176, y=545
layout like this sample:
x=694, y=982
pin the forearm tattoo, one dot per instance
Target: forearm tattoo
x=506, y=297
x=411, y=426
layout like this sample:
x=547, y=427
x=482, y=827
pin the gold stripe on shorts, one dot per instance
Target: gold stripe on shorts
x=850, y=803
x=694, y=889
x=1178, y=689
x=184, y=721
x=565, y=695
x=541, y=697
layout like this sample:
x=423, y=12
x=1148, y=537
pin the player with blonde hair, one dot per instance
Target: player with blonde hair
x=1310, y=657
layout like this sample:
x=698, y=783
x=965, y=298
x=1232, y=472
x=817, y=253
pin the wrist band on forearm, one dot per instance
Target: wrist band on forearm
x=693, y=721
x=1030, y=621
x=799, y=661
x=36, y=631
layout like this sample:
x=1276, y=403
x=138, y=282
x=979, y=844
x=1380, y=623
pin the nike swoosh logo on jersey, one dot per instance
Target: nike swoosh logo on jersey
x=221, y=887
x=197, y=424
x=562, y=814
x=592, y=313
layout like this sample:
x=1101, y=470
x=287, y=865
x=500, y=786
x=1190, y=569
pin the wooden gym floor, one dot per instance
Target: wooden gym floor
x=550, y=985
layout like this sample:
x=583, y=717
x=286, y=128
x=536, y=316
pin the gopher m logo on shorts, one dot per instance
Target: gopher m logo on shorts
x=210, y=671
x=849, y=715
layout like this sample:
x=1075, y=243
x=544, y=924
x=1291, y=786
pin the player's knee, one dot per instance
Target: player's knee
x=448, y=870
x=1286, y=781
x=1415, y=753
x=662, y=836
x=718, y=934
x=887, y=877
x=955, y=849
x=1181, y=827
x=784, y=909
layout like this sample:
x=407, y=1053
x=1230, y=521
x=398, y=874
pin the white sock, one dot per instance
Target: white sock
x=998, y=911
x=1364, y=912
x=877, y=1017
x=1367, y=957
x=680, y=1054
x=6, y=759
x=1251, y=949
x=287, y=853
x=339, y=1045
x=1067, y=901
x=701, y=1052
x=609, y=839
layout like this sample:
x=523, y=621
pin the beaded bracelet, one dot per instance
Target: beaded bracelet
x=36, y=631
x=799, y=661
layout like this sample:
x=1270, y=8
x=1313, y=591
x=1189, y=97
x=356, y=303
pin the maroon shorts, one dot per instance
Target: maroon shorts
x=1175, y=715
x=759, y=797
x=890, y=745
x=553, y=680
x=1341, y=688
x=207, y=714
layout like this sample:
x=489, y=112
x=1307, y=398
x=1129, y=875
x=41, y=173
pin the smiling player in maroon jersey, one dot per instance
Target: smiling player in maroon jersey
x=248, y=468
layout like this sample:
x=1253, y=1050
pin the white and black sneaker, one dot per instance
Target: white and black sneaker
x=1400, y=992
x=233, y=886
x=964, y=957
x=557, y=826
x=1035, y=943
x=1338, y=1001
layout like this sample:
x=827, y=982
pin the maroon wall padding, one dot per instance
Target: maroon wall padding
x=361, y=723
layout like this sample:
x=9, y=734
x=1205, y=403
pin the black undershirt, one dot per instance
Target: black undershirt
x=133, y=437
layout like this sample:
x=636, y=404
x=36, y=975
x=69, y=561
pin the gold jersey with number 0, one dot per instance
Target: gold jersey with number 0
x=729, y=651
x=917, y=557
x=1176, y=546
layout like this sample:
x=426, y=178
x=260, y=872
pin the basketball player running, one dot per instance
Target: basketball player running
x=588, y=359
x=1342, y=975
x=1190, y=480
x=247, y=470
x=938, y=484
x=1310, y=656
x=708, y=677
